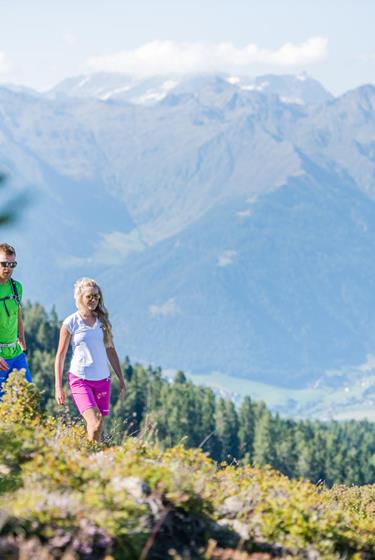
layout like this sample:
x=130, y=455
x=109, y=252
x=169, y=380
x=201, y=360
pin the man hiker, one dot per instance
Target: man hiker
x=12, y=338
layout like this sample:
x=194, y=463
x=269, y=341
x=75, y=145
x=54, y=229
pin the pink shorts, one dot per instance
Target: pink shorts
x=90, y=394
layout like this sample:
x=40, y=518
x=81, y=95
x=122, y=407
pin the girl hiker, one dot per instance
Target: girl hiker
x=90, y=333
x=12, y=339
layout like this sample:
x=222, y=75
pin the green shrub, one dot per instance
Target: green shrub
x=62, y=494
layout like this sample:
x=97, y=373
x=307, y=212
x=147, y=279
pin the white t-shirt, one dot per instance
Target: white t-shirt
x=89, y=360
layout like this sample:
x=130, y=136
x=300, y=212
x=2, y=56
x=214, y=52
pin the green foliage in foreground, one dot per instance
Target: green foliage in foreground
x=62, y=497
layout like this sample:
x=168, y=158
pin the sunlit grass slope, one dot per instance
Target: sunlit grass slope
x=62, y=497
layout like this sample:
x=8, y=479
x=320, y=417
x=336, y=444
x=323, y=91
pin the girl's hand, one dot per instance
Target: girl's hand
x=60, y=395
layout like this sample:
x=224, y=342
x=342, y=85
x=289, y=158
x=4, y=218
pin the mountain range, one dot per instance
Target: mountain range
x=230, y=220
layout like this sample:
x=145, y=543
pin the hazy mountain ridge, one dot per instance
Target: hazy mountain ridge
x=245, y=225
x=299, y=89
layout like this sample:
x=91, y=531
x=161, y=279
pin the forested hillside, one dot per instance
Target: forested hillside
x=172, y=412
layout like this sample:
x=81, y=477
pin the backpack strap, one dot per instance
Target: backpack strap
x=16, y=296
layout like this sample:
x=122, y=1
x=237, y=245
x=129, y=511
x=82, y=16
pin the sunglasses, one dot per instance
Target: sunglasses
x=91, y=297
x=6, y=264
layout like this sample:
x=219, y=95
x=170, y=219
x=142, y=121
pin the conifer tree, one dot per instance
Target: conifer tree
x=264, y=443
x=246, y=431
x=285, y=445
x=227, y=429
x=209, y=437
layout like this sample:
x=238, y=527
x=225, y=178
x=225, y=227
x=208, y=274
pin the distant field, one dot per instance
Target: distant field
x=357, y=414
x=270, y=394
x=343, y=403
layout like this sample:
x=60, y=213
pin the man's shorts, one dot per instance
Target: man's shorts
x=19, y=362
x=91, y=394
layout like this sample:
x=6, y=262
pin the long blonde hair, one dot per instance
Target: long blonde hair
x=100, y=311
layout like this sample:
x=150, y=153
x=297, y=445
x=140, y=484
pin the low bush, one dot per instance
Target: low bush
x=63, y=497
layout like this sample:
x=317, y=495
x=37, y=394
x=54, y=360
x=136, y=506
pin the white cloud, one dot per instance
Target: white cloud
x=164, y=57
x=166, y=309
x=311, y=51
x=70, y=39
x=4, y=63
x=367, y=57
x=226, y=258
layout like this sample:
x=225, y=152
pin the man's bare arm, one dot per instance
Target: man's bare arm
x=21, y=331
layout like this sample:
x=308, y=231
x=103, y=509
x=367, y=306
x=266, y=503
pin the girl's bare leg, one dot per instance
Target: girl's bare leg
x=94, y=421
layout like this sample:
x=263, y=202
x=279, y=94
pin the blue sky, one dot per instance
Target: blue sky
x=45, y=41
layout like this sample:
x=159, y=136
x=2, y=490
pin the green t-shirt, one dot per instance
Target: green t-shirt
x=9, y=324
